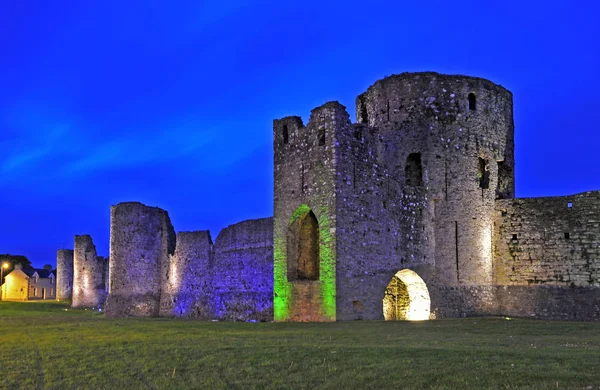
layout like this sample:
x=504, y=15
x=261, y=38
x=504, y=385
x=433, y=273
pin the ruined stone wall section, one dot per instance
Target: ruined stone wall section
x=64, y=274
x=141, y=240
x=88, y=271
x=243, y=272
x=548, y=241
x=187, y=286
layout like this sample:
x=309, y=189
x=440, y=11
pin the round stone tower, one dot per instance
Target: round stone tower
x=447, y=146
x=64, y=274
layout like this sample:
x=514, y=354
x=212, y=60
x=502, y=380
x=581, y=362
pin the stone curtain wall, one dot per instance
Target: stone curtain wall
x=243, y=272
x=141, y=240
x=548, y=241
x=187, y=286
x=155, y=273
x=64, y=274
x=547, y=257
x=88, y=271
x=230, y=280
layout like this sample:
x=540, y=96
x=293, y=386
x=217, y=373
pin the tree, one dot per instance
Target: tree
x=12, y=260
x=15, y=259
x=48, y=267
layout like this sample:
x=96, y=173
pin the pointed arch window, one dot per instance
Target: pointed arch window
x=303, y=247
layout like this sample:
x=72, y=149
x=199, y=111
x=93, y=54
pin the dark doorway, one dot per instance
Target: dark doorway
x=308, y=248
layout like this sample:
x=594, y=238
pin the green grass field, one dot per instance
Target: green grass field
x=44, y=345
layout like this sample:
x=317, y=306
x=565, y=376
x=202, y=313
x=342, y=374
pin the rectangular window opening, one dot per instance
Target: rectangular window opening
x=285, y=134
x=322, y=137
x=504, y=188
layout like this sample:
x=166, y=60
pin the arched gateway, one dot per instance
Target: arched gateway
x=406, y=298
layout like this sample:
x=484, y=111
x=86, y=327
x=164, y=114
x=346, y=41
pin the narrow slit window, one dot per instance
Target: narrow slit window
x=413, y=172
x=570, y=205
x=514, y=236
x=364, y=115
x=285, y=134
x=322, y=136
x=483, y=174
x=504, y=187
x=472, y=102
x=567, y=236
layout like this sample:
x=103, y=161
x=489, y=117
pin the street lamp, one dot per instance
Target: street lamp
x=4, y=265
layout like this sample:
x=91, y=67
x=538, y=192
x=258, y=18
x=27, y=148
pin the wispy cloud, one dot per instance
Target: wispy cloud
x=62, y=151
x=139, y=148
x=22, y=154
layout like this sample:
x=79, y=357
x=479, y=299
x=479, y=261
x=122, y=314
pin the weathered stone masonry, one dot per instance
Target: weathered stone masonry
x=141, y=240
x=153, y=272
x=407, y=214
x=230, y=280
x=547, y=256
x=88, y=274
x=415, y=185
x=64, y=274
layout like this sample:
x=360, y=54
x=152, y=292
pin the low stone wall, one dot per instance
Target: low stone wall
x=463, y=301
x=549, y=302
x=540, y=302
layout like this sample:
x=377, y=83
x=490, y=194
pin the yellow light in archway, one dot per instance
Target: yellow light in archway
x=407, y=298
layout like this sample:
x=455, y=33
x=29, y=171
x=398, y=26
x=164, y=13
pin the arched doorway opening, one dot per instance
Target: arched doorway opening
x=406, y=298
x=303, y=260
x=308, y=248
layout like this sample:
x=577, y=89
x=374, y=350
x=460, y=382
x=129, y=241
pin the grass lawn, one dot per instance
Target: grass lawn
x=44, y=345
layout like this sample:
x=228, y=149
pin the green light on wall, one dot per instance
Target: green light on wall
x=327, y=270
x=300, y=212
x=283, y=289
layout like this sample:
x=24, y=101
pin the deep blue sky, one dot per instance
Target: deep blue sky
x=172, y=105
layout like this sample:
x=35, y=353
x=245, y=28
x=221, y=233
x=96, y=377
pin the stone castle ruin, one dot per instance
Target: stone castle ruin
x=81, y=275
x=154, y=272
x=407, y=214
